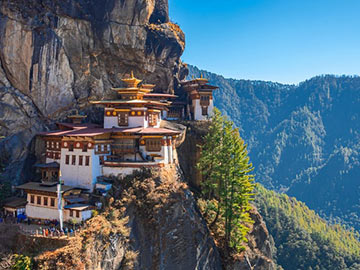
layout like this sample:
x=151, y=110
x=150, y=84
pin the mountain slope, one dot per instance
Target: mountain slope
x=302, y=239
x=304, y=140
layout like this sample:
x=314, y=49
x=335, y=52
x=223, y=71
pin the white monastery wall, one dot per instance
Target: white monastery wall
x=138, y=121
x=41, y=212
x=80, y=175
x=197, y=110
x=111, y=121
x=211, y=108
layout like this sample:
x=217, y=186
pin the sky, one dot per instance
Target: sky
x=286, y=41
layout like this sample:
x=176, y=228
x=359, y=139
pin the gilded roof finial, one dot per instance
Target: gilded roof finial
x=132, y=74
x=201, y=75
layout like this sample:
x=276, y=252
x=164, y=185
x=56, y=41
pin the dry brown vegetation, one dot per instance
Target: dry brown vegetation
x=146, y=191
x=95, y=236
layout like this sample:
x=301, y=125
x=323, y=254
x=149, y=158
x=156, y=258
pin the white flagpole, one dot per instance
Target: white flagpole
x=60, y=203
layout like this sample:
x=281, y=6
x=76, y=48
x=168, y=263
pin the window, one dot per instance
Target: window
x=38, y=200
x=106, y=148
x=73, y=160
x=71, y=147
x=101, y=160
x=153, y=118
x=123, y=118
x=87, y=160
x=52, y=202
x=32, y=199
x=204, y=110
x=77, y=213
x=80, y=160
x=57, y=145
x=153, y=145
x=204, y=100
x=84, y=148
x=45, y=201
x=71, y=213
x=67, y=159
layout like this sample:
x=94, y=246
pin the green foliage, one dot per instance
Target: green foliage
x=225, y=168
x=22, y=262
x=302, y=138
x=304, y=240
x=94, y=213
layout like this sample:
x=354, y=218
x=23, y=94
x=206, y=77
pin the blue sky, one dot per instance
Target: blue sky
x=286, y=41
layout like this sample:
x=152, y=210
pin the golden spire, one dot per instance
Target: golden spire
x=131, y=82
x=201, y=75
x=76, y=117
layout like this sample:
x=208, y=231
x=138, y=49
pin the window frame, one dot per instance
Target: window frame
x=87, y=160
x=73, y=160
x=204, y=111
x=123, y=119
x=52, y=202
x=71, y=147
x=81, y=160
x=153, y=145
x=46, y=200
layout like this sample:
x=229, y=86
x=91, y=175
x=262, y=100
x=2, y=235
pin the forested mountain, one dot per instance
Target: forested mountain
x=303, y=139
x=302, y=239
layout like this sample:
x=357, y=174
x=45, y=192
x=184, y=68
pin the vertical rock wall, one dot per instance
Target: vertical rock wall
x=56, y=55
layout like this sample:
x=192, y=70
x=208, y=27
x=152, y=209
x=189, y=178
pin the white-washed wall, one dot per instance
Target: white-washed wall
x=111, y=121
x=76, y=175
x=41, y=212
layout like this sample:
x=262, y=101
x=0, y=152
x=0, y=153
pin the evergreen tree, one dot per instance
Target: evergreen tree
x=225, y=168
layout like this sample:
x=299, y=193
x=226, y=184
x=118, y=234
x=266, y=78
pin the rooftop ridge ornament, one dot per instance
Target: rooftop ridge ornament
x=76, y=117
x=131, y=82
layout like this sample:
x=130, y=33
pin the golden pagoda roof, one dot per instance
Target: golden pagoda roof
x=76, y=115
x=148, y=86
x=131, y=82
x=135, y=101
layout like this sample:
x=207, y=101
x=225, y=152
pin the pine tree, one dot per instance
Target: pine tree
x=226, y=169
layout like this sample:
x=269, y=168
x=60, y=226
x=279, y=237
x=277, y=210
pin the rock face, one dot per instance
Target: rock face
x=152, y=221
x=167, y=228
x=56, y=55
x=259, y=254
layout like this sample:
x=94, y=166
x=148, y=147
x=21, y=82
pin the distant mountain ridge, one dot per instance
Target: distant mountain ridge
x=303, y=139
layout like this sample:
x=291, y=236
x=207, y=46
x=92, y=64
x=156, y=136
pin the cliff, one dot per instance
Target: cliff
x=150, y=221
x=56, y=55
